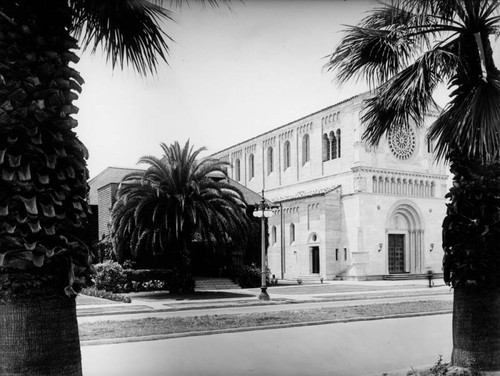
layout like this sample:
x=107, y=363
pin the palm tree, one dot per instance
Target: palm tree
x=164, y=208
x=43, y=189
x=405, y=49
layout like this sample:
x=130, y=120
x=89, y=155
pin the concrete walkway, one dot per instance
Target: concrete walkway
x=336, y=293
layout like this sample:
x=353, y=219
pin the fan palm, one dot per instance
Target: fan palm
x=162, y=209
x=43, y=210
x=405, y=49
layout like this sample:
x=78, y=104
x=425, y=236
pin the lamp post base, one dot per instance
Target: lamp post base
x=263, y=294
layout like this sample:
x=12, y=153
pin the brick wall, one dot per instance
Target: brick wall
x=106, y=198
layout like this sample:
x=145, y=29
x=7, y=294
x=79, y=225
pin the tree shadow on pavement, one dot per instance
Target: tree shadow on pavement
x=197, y=295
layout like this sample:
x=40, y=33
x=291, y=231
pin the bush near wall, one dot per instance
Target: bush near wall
x=111, y=276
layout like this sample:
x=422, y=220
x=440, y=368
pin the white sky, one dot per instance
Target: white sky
x=232, y=75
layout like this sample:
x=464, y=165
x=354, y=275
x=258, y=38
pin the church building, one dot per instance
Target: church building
x=341, y=208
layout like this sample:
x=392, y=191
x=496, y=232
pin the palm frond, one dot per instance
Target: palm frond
x=129, y=31
x=204, y=3
x=382, y=44
x=407, y=98
x=471, y=122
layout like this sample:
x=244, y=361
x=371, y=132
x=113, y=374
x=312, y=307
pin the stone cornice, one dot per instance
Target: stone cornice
x=401, y=173
x=305, y=194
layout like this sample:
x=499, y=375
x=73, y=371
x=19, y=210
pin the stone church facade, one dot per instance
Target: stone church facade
x=342, y=209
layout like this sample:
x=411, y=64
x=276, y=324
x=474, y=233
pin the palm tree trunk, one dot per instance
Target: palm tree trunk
x=476, y=328
x=42, y=190
x=40, y=337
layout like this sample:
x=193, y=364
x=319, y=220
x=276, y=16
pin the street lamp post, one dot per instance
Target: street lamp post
x=263, y=212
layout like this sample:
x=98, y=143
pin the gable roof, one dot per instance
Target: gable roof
x=251, y=197
x=107, y=176
x=116, y=174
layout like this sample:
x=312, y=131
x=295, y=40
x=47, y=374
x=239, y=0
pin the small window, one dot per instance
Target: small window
x=251, y=167
x=292, y=233
x=333, y=145
x=345, y=254
x=269, y=160
x=306, y=154
x=237, y=168
x=273, y=235
x=286, y=155
x=326, y=148
x=338, y=143
x=336, y=254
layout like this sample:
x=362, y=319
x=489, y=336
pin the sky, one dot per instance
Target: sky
x=232, y=74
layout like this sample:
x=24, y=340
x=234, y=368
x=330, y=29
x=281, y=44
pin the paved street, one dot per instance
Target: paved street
x=356, y=348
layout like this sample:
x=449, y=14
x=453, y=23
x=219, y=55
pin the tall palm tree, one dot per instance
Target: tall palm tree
x=162, y=209
x=405, y=49
x=43, y=210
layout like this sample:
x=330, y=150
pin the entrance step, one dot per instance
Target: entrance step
x=343, y=274
x=408, y=276
x=205, y=283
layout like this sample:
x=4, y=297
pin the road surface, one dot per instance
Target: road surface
x=346, y=349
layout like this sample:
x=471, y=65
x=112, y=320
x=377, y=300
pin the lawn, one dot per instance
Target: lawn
x=202, y=323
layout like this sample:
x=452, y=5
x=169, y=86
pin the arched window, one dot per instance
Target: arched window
x=292, y=233
x=333, y=145
x=269, y=160
x=326, y=148
x=338, y=143
x=286, y=155
x=273, y=235
x=430, y=147
x=251, y=167
x=237, y=170
x=306, y=153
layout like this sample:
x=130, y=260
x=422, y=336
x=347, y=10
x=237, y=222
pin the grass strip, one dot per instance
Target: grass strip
x=159, y=326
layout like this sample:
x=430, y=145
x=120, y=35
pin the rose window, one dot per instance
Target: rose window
x=402, y=142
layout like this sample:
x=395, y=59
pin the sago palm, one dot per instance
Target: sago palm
x=175, y=199
x=43, y=212
x=406, y=49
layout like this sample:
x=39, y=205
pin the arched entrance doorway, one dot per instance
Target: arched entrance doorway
x=405, y=239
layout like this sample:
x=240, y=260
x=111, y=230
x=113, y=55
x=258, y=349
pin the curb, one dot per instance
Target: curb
x=113, y=341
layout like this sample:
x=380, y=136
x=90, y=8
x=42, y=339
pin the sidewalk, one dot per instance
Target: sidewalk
x=332, y=293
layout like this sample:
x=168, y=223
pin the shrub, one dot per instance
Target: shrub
x=146, y=279
x=250, y=276
x=92, y=291
x=103, y=250
x=110, y=276
x=129, y=264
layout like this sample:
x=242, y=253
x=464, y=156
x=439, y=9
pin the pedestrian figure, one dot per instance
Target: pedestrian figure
x=430, y=275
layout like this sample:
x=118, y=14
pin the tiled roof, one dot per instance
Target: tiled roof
x=107, y=176
x=304, y=194
x=250, y=196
